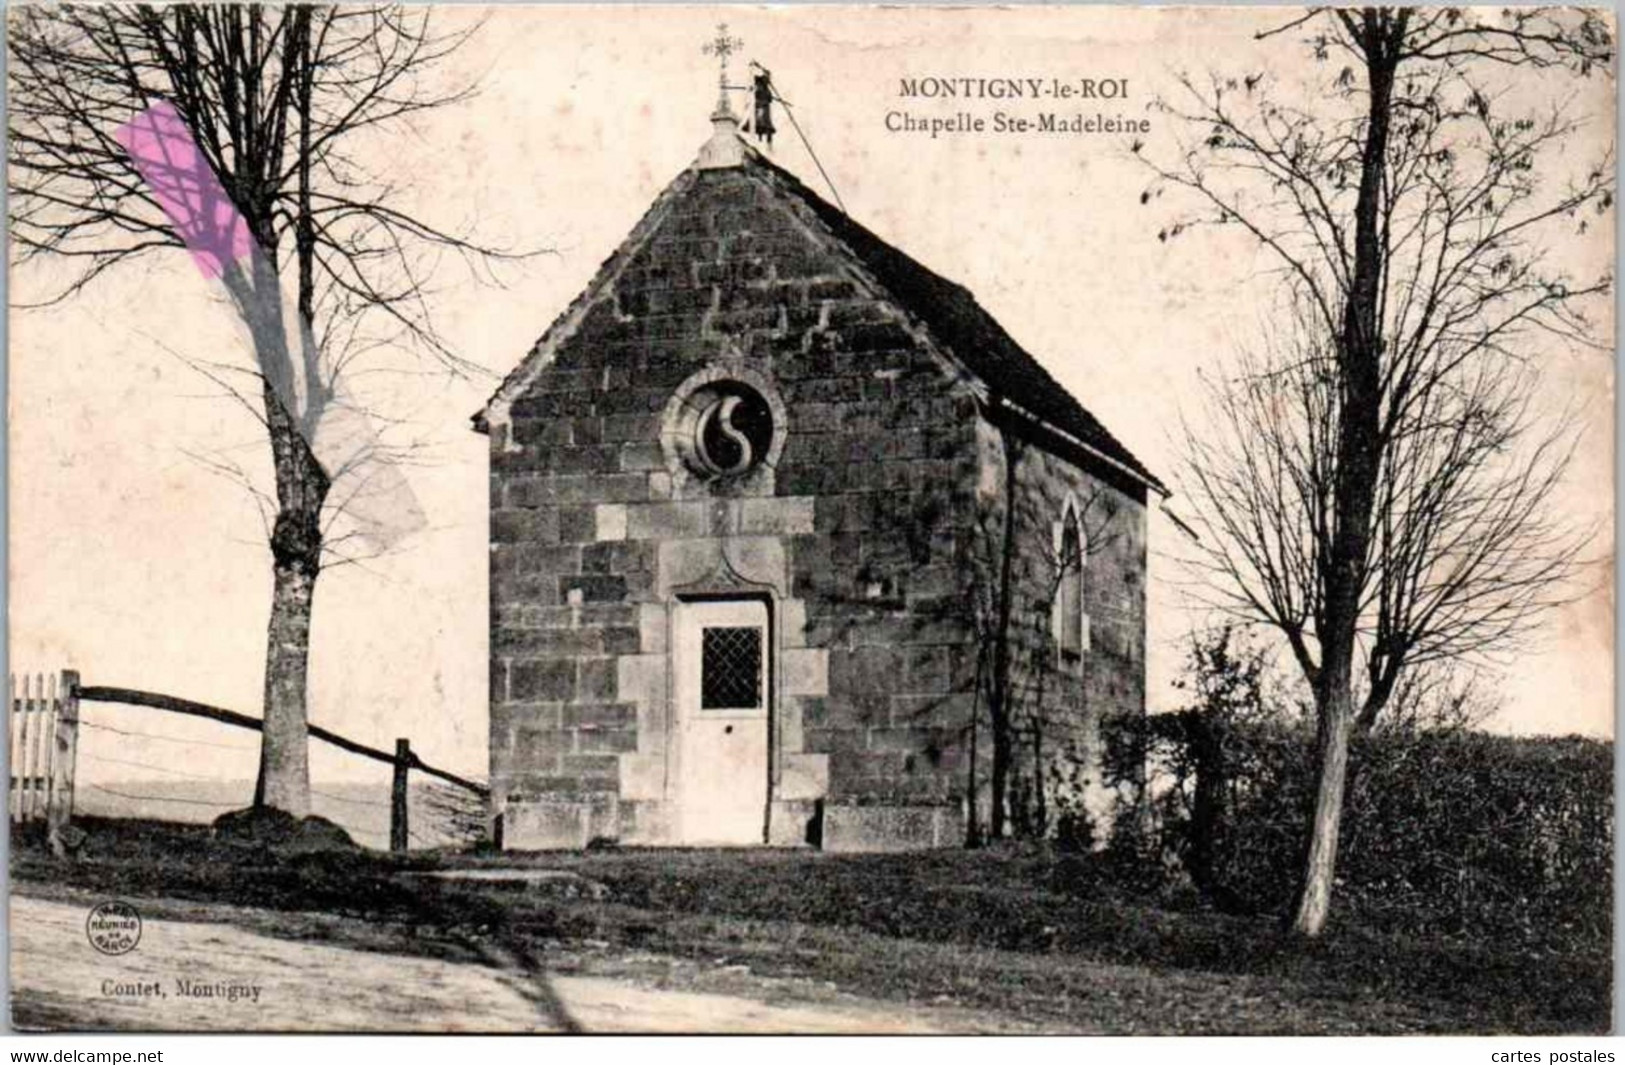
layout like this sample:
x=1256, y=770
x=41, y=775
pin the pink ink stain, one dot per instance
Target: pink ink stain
x=186, y=188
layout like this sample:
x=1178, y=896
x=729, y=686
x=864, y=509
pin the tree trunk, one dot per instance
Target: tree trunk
x=1315, y=898
x=973, y=813
x=998, y=702
x=1358, y=456
x=302, y=486
x=999, y=778
x=285, y=749
x=1207, y=804
x=296, y=549
x=1040, y=803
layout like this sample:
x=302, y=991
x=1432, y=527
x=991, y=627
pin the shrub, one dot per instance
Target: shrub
x=1452, y=832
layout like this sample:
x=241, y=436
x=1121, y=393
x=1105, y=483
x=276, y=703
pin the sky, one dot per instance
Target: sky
x=130, y=562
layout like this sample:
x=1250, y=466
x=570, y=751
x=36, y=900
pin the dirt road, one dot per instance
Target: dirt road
x=186, y=976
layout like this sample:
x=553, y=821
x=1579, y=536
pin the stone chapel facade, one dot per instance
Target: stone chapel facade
x=752, y=497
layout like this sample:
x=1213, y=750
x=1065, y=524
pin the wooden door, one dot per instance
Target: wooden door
x=723, y=694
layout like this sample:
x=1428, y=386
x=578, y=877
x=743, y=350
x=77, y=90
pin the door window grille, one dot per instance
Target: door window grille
x=731, y=668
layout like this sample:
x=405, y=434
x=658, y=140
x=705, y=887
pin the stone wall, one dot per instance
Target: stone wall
x=1062, y=701
x=858, y=530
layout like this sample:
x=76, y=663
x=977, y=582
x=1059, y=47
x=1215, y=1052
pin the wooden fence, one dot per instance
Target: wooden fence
x=44, y=738
x=42, y=770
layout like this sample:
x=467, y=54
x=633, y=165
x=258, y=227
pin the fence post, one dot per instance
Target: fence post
x=27, y=763
x=47, y=745
x=397, y=798
x=13, y=746
x=60, y=809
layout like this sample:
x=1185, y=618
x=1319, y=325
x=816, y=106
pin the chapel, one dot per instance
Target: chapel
x=773, y=509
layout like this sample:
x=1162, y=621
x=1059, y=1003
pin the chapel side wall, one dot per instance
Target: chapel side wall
x=1069, y=701
x=857, y=530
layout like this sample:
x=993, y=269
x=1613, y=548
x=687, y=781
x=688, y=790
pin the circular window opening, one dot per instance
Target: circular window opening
x=726, y=429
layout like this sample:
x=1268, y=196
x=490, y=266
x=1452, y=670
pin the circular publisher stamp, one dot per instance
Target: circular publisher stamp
x=113, y=927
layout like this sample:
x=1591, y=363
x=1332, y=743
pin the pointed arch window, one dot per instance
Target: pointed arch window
x=1069, y=622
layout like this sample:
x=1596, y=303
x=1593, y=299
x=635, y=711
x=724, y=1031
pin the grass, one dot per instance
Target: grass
x=1051, y=941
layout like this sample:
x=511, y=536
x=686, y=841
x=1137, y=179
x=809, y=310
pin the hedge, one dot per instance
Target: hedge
x=1450, y=832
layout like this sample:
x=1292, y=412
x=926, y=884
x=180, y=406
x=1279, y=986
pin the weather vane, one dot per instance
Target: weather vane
x=722, y=46
x=763, y=94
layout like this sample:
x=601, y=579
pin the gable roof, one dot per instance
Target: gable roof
x=948, y=310
x=540, y=355
x=961, y=325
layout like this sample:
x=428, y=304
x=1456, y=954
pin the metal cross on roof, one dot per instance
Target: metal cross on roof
x=722, y=46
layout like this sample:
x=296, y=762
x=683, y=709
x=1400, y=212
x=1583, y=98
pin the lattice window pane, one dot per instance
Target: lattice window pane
x=731, y=668
x=1070, y=593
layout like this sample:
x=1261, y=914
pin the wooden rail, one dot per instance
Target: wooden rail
x=403, y=760
x=101, y=694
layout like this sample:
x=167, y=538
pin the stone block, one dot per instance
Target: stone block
x=832, y=740
x=641, y=678
x=604, y=615
x=642, y=775
x=609, y=521
x=548, y=643
x=599, y=715
x=788, y=727
x=927, y=668
x=792, y=823
x=538, y=750
x=909, y=739
x=606, y=741
x=544, y=825
x=653, y=628
x=805, y=671
x=667, y=521
x=529, y=715
x=760, y=559
x=593, y=588
x=804, y=776
x=537, y=525
x=629, y=427
x=944, y=710
x=577, y=525
x=596, y=680
x=852, y=828
x=601, y=487
x=793, y=623
x=593, y=770
x=643, y=456
x=777, y=515
x=684, y=562
x=527, y=490
x=594, y=459
x=542, y=680
x=544, y=560
x=867, y=669
x=523, y=588
x=540, y=431
x=498, y=680
x=621, y=641
x=599, y=558
x=586, y=430
x=814, y=713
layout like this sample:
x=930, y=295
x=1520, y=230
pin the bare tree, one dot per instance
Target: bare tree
x=1441, y=697
x=1407, y=209
x=275, y=101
